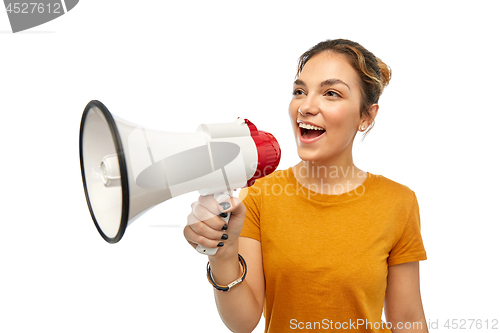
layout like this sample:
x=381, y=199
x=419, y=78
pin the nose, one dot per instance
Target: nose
x=310, y=106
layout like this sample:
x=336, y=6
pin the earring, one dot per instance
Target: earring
x=363, y=127
x=300, y=112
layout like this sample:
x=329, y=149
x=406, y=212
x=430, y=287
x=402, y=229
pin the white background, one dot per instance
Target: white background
x=174, y=65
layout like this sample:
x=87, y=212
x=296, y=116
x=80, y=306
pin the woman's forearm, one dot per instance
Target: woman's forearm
x=238, y=307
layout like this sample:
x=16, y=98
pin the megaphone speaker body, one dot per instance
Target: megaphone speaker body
x=128, y=169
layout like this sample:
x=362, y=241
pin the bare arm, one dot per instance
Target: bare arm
x=240, y=308
x=403, y=303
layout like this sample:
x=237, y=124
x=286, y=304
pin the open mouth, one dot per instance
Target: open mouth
x=310, y=132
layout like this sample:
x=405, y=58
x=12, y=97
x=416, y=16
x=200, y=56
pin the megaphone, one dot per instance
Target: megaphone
x=128, y=169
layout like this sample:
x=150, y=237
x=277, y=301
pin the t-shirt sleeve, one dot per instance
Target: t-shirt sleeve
x=251, y=199
x=410, y=246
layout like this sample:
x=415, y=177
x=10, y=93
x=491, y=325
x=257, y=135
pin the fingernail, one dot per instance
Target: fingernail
x=223, y=215
x=220, y=244
x=224, y=227
x=225, y=205
x=224, y=237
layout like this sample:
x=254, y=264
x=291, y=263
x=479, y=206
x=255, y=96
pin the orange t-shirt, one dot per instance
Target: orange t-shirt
x=326, y=257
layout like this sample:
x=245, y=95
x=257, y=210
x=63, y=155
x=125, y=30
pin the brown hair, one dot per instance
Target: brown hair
x=373, y=73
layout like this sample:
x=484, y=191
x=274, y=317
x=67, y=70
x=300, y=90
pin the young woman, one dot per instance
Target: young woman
x=323, y=244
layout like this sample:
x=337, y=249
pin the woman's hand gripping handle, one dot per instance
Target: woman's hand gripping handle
x=220, y=197
x=208, y=229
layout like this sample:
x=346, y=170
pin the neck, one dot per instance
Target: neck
x=329, y=177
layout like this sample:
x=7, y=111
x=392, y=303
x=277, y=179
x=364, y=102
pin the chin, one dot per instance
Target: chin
x=309, y=156
x=316, y=155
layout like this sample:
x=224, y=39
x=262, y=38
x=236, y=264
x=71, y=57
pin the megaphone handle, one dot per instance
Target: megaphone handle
x=224, y=216
x=210, y=251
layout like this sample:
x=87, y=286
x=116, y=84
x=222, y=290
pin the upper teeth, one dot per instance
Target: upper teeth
x=307, y=126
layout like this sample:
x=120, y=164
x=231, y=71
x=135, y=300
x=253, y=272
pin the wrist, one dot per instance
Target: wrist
x=225, y=269
x=228, y=252
x=228, y=286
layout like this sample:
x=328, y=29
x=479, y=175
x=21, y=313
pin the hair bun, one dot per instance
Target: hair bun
x=385, y=73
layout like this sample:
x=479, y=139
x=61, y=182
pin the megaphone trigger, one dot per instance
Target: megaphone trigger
x=222, y=196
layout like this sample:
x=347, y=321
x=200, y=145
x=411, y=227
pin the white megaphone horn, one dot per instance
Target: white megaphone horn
x=128, y=169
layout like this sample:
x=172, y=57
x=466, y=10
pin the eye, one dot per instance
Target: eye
x=332, y=93
x=298, y=92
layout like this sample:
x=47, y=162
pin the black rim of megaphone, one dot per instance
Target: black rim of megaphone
x=123, y=170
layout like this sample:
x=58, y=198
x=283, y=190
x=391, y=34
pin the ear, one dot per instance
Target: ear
x=367, y=120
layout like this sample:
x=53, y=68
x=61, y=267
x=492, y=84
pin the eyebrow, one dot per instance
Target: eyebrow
x=328, y=82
